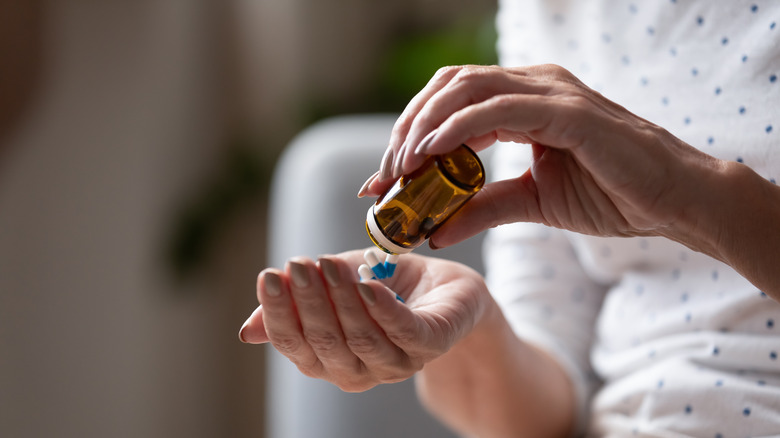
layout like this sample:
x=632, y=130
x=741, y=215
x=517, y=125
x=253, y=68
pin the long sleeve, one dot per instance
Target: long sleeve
x=549, y=300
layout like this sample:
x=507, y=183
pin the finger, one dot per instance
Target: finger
x=498, y=203
x=282, y=324
x=319, y=324
x=362, y=334
x=573, y=122
x=401, y=128
x=470, y=86
x=551, y=121
x=397, y=321
x=364, y=188
x=406, y=151
x=443, y=77
x=382, y=180
x=253, y=330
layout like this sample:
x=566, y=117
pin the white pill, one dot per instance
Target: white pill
x=365, y=272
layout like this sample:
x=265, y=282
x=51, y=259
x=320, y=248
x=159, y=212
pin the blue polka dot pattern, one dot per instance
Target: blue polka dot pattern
x=676, y=329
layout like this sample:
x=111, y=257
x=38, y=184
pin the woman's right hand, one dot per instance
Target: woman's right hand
x=597, y=168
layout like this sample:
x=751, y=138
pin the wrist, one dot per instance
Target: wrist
x=489, y=328
x=704, y=192
x=731, y=214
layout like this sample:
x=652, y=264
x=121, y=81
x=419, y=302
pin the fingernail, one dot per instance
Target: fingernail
x=364, y=188
x=330, y=271
x=273, y=284
x=241, y=332
x=299, y=273
x=431, y=245
x=398, y=169
x=367, y=293
x=422, y=148
x=385, y=170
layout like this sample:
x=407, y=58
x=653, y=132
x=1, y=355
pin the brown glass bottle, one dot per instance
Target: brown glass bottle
x=418, y=203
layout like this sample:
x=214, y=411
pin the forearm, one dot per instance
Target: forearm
x=492, y=384
x=735, y=218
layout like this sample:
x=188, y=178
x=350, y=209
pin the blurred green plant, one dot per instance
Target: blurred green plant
x=243, y=175
x=412, y=61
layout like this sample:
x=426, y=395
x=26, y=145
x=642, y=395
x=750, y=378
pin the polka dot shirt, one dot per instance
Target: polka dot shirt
x=659, y=340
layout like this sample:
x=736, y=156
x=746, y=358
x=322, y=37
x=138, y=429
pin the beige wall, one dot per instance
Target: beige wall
x=132, y=104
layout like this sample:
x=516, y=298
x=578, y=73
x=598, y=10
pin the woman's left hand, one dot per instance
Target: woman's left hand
x=357, y=335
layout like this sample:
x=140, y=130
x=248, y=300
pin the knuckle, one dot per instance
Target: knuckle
x=557, y=72
x=470, y=75
x=397, y=375
x=285, y=344
x=427, y=118
x=362, y=342
x=312, y=300
x=347, y=307
x=447, y=71
x=402, y=124
x=556, y=69
x=577, y=99
x=403, y=336
x=313, y=370
x=322, y=340
x=356, y=384
x=503, y=102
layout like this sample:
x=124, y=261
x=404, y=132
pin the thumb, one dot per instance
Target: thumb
x=498, y=203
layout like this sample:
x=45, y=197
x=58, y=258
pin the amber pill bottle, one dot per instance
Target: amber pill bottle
x=417, y=204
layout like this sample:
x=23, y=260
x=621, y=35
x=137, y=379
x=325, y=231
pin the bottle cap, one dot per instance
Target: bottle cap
x=383, y=242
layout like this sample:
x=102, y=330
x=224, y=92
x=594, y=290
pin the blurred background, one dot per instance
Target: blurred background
x=137, y=143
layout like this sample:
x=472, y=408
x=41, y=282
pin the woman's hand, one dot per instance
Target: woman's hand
x=598, y=169
x=357, y=335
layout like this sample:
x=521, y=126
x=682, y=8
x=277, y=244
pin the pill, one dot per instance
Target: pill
x=390, y=262
x=375, y=264
x=366, y=273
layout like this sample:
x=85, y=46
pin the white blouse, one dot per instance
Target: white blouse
x=661, y=341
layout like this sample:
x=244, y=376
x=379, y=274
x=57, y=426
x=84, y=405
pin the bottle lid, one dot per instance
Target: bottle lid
x=379, y=237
